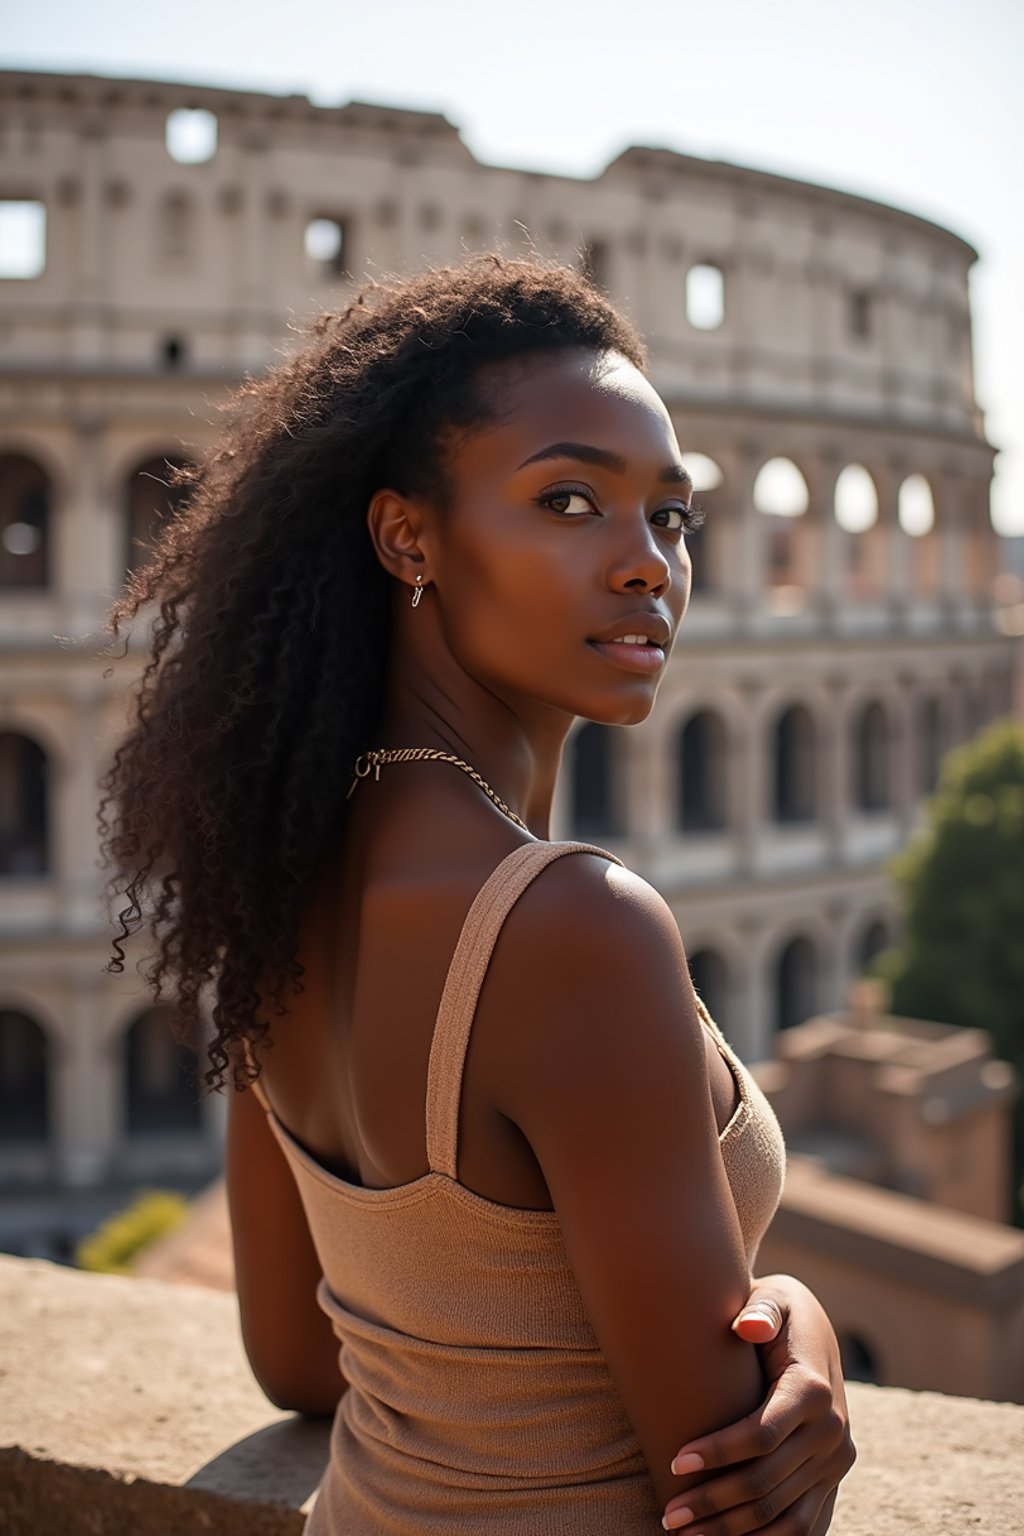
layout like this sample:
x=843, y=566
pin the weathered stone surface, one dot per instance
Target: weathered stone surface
x=141, y=1393
x=127, y=1406
x=928, y=1465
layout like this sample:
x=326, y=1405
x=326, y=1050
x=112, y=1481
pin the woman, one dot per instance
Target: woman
x=497, y=1149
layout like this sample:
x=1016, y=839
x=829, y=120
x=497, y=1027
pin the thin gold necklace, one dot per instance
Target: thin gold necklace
x=375, y=759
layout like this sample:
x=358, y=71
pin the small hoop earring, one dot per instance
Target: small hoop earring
x=418, y=593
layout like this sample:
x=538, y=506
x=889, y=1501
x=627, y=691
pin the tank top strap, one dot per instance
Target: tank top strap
x=490, y=907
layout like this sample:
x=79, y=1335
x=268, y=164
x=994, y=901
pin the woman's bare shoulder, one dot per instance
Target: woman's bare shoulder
x=585, y=900
x=590, y=951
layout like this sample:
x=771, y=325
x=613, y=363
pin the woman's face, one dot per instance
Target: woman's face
x=565, y=529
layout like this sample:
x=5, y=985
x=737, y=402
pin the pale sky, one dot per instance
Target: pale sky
x=914, y=102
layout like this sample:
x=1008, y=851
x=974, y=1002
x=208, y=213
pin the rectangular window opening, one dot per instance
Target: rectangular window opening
x=22, y=238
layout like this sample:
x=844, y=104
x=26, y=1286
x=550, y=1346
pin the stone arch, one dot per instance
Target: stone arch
x=161, y=1086
x=780, y=488
x=26, y=499
x=56, y=461
x=794, y=760
x=915, y=504
x=855, y=500
x=703, y=773
x=916, y=512
x=796, y=980
x=872, y=757
x=708, y=479
x=327, y=243
x=874, y=936
x=25, y=1067
x=45, y=724
x=595, y=801
x=149, y=500
x=24, y=806
x=855, y=507
x=781, y=494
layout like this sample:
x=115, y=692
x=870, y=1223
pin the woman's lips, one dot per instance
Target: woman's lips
x=633, y=658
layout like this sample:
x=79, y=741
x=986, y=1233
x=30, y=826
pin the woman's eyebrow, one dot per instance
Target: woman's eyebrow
x=588, y=454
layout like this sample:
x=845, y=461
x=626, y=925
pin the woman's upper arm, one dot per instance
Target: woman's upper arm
x=604, y=1072
x=288, y=1338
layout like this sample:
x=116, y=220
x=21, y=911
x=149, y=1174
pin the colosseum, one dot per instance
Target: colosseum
x=158, y=241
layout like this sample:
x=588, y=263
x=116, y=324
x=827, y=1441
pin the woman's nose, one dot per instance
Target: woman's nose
x=639, y=557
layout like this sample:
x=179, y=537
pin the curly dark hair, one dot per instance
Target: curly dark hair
x=269, y=652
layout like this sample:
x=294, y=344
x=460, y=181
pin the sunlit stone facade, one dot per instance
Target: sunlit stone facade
x=839, y=639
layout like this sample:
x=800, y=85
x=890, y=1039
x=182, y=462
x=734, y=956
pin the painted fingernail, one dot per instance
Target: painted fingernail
x=689, y=1463
x=677, y=1518
x=755, y=1314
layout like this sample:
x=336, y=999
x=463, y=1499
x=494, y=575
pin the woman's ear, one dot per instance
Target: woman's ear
x=397, y=527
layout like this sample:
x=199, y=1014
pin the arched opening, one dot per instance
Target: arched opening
x=325, y=241
x=916, y=507
x=23, y=1078
x=710, y=976
x=856, y=512
x=858, y=1359
x=595, y=810
x=151, y=498
x=795, y=787
x=23, y=806
x=24, y=522
x=706, y=477
x=703, y=773
x=780, y=490
x=916, y=517
x=872, y=942
x=780, y=493
x=871, y=758
x=856, y=500
x=161, y=1078
x=930, y=744
x=796, y=983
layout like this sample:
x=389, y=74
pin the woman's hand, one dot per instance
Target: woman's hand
x=778, y=1470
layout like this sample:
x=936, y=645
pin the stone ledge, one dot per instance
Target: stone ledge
x=127, y=1405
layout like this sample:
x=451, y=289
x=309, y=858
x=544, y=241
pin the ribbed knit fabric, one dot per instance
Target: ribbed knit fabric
x=479, y=1400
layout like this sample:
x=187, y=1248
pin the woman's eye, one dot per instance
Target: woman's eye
x=561, y=501
x=689, y=518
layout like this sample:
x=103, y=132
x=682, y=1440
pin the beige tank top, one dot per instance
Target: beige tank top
x=479, y=1400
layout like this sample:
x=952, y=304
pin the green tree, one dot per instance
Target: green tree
x=114, y=1244
x=961, y=960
